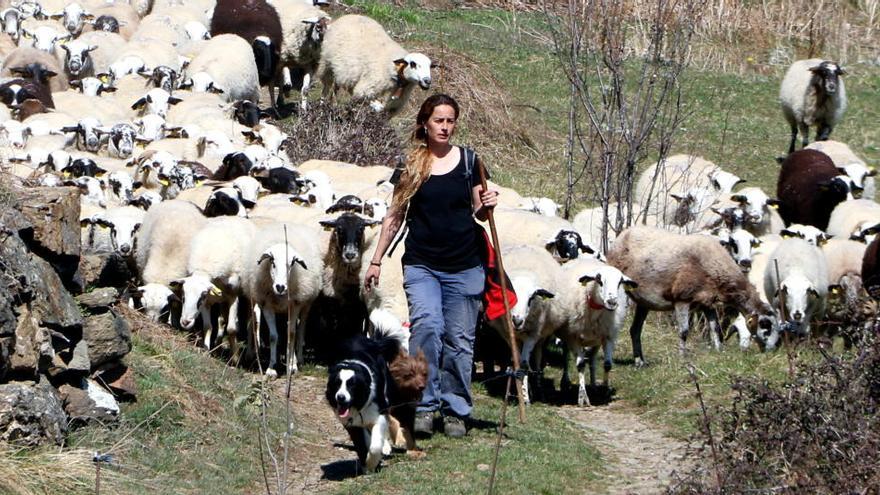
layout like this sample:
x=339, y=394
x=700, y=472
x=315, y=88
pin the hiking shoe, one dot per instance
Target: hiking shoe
x=454, y=427
x=424, y=424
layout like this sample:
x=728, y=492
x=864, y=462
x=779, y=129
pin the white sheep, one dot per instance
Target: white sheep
x=283, y=270
x=358, y=55
x=155, y=301
x=761, y=217
x=844, y=258
x=216, y=262
x=387, y=308
x=593, y=300
x=542, y=206
x=125, y=14
x=850, y=217
x=163, y=241
x=225, y=63
x=116, y=229
x=107, y=47
x=801, y=285
x=517, y=227
x=740, y=243
x=303, y=27
x=664, y=185
x=536, y=278
x=812, y=93
x=850, y=164
x=809, y=233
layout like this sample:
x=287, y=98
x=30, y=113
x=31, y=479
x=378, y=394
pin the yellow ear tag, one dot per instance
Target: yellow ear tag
x=165, y=182
x=216, y=292
x=65, y=174
x=104, y=78
x=199, y=183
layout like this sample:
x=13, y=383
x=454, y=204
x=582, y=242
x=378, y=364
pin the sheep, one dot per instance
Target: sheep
x=541, y=206
x=78, y=60
x=86, y=134
x=801, y=285
x=760, y=212
x=535, y=278
x=216, y=262
x=303, y=27
x=106, y=48
x=844, y=260
x=15, y=92
x=125, y=15
x=163, y=241
x=386, y=303
x=677, y=272
x=155, y=101
x=11, y=18
x=597, y=323
x=269, y=136
x=849, y=217
x=45, y=37
x=13, y=133
x=24, y=56
x=226, y=63
x=358, y=55
x=346, y=172
x=871, y=269
x=343, y=255
x=676, y=177
x=154, y=300
x=848, y=163
x=554, y=234
x=812, y=235
x=283, y=270
x=812, y=93
x=73, y=17
x=740, y=243
x=809, y=188
x=104, y=109
x=122, y=222
x=257, y=22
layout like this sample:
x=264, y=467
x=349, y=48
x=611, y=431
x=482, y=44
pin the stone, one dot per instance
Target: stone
x=108, y=336
x=119, y=380
x=33, y=351
x=98, y=300
x=80, y=361
x=31, y=414
x=88, y=403
x=55, y=232
x=104, y=270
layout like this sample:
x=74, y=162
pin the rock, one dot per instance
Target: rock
x=119, y=379
x=55, y=233
x=31, y=414
x=80, y=361
x=108, y=337
x=104, y=270
x=33, y=351
x=98, y=300
x=88, y=403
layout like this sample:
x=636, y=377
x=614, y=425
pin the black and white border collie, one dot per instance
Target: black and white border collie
x=359, y=388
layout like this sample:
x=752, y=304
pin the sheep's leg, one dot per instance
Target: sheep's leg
x=591, y=357
x=292, y=339
x=581, y=362
x=635, y=333
x=714, y=328
x=608, y=350
x=565, y=381
x=742, y=329
x=682, y=321
x=805, y=135
x=525, y=359
x=301, y=331
x=824, y=132
x=794, y=133
x=205, y=312
x=269, y=315
x=304, y=92
x=232, y=329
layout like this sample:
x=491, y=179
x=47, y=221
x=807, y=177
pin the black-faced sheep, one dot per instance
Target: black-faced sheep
x=680, y=272
x=812, y=94
x=809, y=188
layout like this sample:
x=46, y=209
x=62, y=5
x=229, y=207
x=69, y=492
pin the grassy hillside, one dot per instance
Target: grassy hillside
x=196, y=428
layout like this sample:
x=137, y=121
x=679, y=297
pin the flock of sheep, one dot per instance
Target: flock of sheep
x=152, y=110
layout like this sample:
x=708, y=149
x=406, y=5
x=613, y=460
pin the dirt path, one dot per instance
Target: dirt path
x=640, y=456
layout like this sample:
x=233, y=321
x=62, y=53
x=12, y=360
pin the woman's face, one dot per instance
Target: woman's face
x=441, y=124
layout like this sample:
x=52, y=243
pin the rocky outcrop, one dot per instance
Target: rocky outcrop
x=31, y=414
x=53, y=213
x=108, y=336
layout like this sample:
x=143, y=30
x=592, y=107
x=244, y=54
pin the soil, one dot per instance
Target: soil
x=639, y=458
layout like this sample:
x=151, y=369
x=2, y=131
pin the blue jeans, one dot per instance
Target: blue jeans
x=443, y=310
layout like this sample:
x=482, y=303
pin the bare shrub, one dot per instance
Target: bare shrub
x=818, y=433
x=350, y=133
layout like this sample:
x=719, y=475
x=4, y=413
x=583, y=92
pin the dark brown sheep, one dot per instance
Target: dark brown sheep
x=257, y=22
x=871, y=269
x=809, y=187
x=14, y=92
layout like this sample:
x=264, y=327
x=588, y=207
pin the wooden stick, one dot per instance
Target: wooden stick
x=514, y=351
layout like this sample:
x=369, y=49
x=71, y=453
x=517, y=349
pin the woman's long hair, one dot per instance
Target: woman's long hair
x=418, y=162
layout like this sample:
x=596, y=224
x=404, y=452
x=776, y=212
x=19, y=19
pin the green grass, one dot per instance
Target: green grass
x=544, y=455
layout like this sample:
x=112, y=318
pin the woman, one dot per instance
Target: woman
x=442, y=271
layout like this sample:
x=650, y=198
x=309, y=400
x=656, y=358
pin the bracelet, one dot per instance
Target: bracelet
x=375, y=263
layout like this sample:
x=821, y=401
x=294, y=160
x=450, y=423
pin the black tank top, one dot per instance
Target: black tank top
x=441, y=225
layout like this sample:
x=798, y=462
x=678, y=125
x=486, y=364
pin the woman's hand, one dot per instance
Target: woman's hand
x=371, y=279
x=489, y=198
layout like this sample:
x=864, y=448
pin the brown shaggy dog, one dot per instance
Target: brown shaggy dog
x=410, y=375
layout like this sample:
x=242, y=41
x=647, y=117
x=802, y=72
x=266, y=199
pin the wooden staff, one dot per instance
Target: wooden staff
x=514, y=351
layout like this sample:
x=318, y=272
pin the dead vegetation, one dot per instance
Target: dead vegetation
x=29, y=472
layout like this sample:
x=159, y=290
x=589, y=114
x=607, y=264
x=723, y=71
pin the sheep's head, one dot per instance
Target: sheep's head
x=76, y=58
x=195, y=30
x=156, y=101
x=73, y=17
x=92, y=86
x=826, y=76
x=197, y=293
x=11, y=19
x=567, y=244
x=90, y=188
x=14, y=133
x=755, y=203
x=609, y=287
x=317, y=28
x=202, y=82
x=741, y=245
x=813, y=235
x=106, y=23
x=724, y=181
x=348, y=236
x=120, y=139
x=154, y=300
x=280, y=271
x=414, y=68
x=122, y=184
x=162, y=77
x=122, y=231
x=45, y=38
x=858, y=174
x=797, y=294
x=865, y=232
x=529, y=296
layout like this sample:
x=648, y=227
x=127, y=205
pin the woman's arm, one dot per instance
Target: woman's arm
x=483, y=202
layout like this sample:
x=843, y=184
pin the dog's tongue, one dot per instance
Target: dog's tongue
x=343, y=412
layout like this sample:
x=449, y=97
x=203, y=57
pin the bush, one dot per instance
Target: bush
x=352, y=133
x=819, y=433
